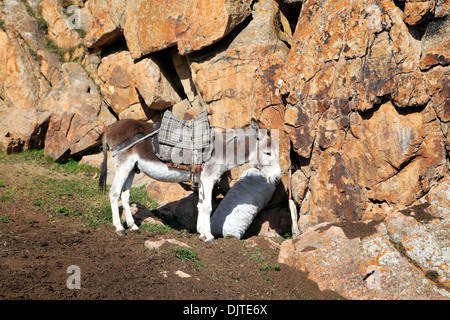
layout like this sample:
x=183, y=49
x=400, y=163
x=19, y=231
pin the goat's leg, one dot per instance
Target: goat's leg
x=126, y=202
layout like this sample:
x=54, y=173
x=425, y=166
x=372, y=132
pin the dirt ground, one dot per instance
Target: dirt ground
x=37, y=247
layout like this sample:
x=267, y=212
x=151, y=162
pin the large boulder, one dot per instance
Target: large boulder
x=22, y=129
x=102, y=29
x=133, y=88
x=436, y=44
x=368, y=122
x=79, y=116
x=406, y=256
x=115, y=76
x=154, y=25
x=59, y=30
x=21, y=82
x=26, y=74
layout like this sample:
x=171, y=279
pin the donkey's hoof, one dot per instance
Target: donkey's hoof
x=209, y=240
x=120, y=232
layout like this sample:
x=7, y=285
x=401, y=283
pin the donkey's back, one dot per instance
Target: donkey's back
x=119, y=135
x=124, y=131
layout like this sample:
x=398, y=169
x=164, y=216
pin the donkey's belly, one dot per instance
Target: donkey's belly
x=159, y=171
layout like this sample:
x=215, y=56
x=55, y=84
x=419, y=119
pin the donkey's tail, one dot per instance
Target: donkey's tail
x=104, y=168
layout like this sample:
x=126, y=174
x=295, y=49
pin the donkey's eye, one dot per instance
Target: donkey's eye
x=267, y=153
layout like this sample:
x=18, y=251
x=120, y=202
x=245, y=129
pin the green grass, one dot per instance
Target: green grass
x=43, y=24
x=71, y=191
x=37, y=156
x=139, y=195
x=71, y=197
x=5, y=219
x=268, y=267
x=186, y=254
x=156, y=228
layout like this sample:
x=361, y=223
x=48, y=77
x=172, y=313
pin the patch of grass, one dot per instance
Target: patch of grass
x=258, y=255
x=43, y=24
x=74, y=167
x=67, y=211
x=71, y=197
x=50, y=46
x=37, y=156
x=140, y=195
x=6, y=193
x=2, y=25
x=5, y=219
x=156, y=228
x=186, y=254
x=268, y=267
x=287, y=236
x=71, y=191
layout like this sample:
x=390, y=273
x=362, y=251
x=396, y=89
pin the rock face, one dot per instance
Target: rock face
x=406, y=256
x=22, y=84
x=135, y=88
x=362, y=113
x=79, y=115
x=359, y=91
x=59, y=30
x=192, y=25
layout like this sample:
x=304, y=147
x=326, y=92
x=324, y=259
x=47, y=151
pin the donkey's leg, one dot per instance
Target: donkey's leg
x=205, y=209
x=207, y=179
x=121, y=176
x=126, y=202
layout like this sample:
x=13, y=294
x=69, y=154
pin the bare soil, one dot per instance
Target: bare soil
x=38, y=244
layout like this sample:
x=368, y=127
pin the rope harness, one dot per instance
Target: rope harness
x=117, y=152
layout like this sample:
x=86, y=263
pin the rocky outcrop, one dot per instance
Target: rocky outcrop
x=22, y=84
x=240, y=76
x=191, y=25
x=133, y=89
x=59, y=31
x=362, y=112
x=79, y=115
x=405, y=256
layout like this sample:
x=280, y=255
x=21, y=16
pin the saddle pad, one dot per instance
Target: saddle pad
x=176, y=155
x=185, y=134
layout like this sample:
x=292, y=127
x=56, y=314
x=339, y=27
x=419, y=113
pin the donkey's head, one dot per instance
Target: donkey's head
x=264, y=155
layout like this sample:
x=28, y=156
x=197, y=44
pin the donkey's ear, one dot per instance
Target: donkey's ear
x=255, y=125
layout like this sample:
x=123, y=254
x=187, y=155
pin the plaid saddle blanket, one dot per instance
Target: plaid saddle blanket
x=186, y=134
x=183, y=141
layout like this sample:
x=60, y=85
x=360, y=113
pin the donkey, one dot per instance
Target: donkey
x=252, y=145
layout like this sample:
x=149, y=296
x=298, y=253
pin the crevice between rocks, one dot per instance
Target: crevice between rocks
x=430, y=275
